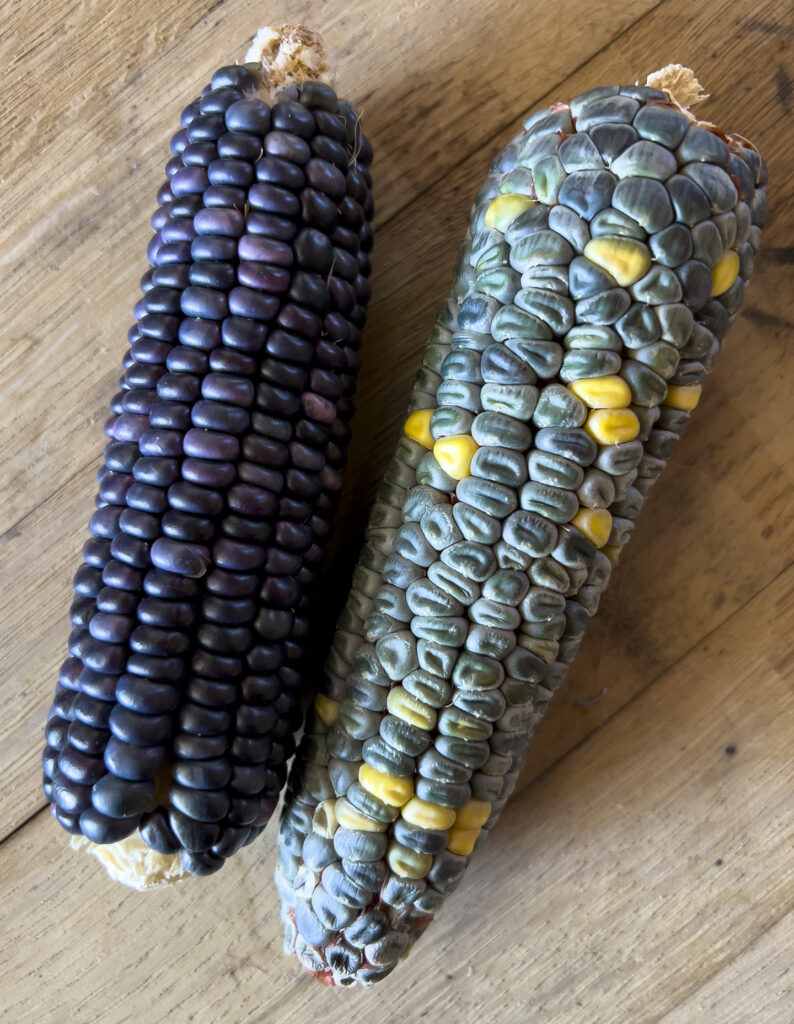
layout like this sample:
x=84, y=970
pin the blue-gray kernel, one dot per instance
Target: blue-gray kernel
x=509, y=557
x=570, y=225
x=586, y=279
x=463, y=588
x=435, y=767
x=596, y=490
x=516, y=400
x=542, y=603
x=439, y=527
x=578, y=152
x=430, y=689
x=461, y=364
x=506, y=586
x=496, y=429
x=329, y=911
x=452, y=721
x=383, y=757
x=520, y=181
x=400, y=571
x=475, y=524
x=486, y=704
x=475, y=561
x=477, y=672
x=341, y=744
x=370, y=805
x=544, y=357
x=540, y=247
x=549, y=468
x=578, y=103
x=317, y=851
x=459, y=393
x=477, y=311
x=571, y=443
x=613, y=222
x=502, y=465
x=646, y=201
x=618, y=459
x=572, y=549
x=368, y=694
x=448, y=794
x=474, y=341
x=391, y=601
x=397, y=654
x=605, y=308
x=690, y=202
x=447, y=871
x=337, y=882
x=593, y=336
x=472, y=754
x=701, y=145
x=419, y=500
x=661, y=124
x=495, y=499
x=548, y=175
x=514, y=322
x=607, y=110
x=358, y=722
x=490, y=641
x=558, y=406
x=544, y=629
x=549, y=306
x=499, y=365
x=611, y=139
x=446, y=630
x=554, y=121
x=673, y=245
x=589, y=363
x=493, y=257
x=487, y=612
x=661, y=357
x=525, y=666
x=716, y=183
x=403, y=736
x=310, y=927
x=647, y=387
x=676, y=322
x=430, y=474
x=553, y=279
x=536, y=218
x=587, y=192
x=645, y=159
x=499, y=282
x=660, y=285
x=403, y=892
x=530, y=532
x=696, y=283
x=342, y=773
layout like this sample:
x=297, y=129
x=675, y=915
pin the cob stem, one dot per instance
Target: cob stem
x=288, y=55
x=680, y=84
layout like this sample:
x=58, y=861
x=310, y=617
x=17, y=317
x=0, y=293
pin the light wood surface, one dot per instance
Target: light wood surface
x=642, y=873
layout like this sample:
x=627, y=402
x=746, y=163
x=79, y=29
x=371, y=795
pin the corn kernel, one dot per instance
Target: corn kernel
x=394, y=790
x=324, y=821
x=504, y=209
x=594, y=523
x=683, y=396
x=602, y=392
x=351, y=817
x=612, y=426
x=626, y=259
x=417, y=427
x=423, y=814
x=724, y=272
x=408, y=863
x=462, y=840
x=612, y=551
x=454, y=454
x=326, y=709
x=403, y=705
x=473, y=814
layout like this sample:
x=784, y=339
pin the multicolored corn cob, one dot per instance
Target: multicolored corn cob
x=175, y=710
x=607, y=255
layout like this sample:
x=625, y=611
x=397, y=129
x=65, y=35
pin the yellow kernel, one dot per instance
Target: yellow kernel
x=351, y=817
x=408, y=863
x=391, y=789
x=417, y=427
x=612, y=426
x=612, y=551
x=324, y=821
x=473, y=814
x=403, y=705
x=423, y=814
x=683, y=396
x=454, y=454
x=626, y=259
x=326, y=709
x=724, y=272
x=602, y=392
x=594, y=523
x=504, y=209
x=462, y=840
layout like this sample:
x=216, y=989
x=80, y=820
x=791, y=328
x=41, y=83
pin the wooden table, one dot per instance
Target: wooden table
x=644, y=873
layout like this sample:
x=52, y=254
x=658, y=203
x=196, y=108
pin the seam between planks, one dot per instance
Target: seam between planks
x=586, y=739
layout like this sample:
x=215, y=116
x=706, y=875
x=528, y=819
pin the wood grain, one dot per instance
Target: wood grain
x=614, y=889
x=92, y=93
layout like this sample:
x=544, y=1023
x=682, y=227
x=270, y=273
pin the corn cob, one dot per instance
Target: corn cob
x=175, y=710
x=606, y=257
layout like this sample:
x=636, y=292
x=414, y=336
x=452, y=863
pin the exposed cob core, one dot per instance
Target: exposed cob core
x=172, y=723
x=607, y=254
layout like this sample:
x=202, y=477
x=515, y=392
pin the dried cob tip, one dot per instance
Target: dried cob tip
x=679, y=83
x=289, y=55
x=133, y=863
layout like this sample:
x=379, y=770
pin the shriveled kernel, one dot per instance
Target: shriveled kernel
x=612, y=426
x=473, y=814
x=724, y=272
x=462, y=840
x=351, y=818
x=402, y=705
x=594, y=523
x=326, y=709
x=394, y=790
x=626, y=259
x=426, y=815
x=408, y=863
x=602, y=392
x=417, y=427
x=683, y=396
x=503, y=210
x=454, y=455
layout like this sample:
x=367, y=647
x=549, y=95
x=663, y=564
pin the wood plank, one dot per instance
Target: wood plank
x=723, y=500
x=94, y=97
x=612, y=890
x=757, y=985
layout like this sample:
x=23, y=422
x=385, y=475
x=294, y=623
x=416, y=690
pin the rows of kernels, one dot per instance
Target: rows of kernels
x=559, y=378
